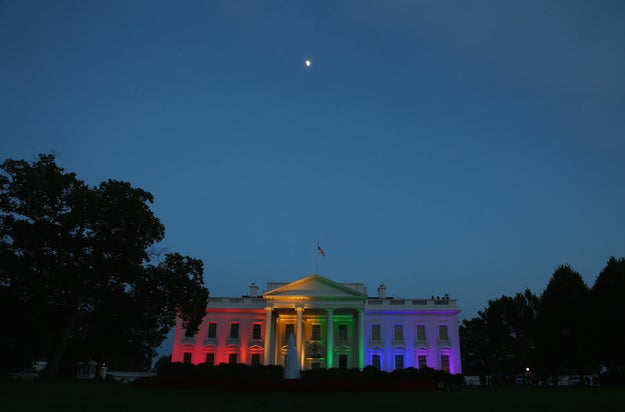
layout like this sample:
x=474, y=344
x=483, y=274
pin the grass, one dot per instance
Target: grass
x=96, y=396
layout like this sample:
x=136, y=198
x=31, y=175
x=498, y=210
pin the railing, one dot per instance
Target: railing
x=412, y=302
x=237, y=301
x=259, y=301
x=256, y=342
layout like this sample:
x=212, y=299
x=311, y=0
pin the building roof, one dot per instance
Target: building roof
x=314, y=287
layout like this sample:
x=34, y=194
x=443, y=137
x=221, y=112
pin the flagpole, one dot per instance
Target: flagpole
x=317, y=253
x=317, y=263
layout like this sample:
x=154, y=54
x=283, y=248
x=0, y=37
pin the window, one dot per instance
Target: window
x=232, y=358
x=375, y=332
x=210, y=358
x=422, y=361
x=445, y=363
x=343, y=332
x=255, y=359
x=398, y=332
x=442, y=332
x=256, y=331
x=343, y=361
x=375, y=361
x=212, y=331
x=399, y=361
x=420, y=332
x=186, y=357
x=234, y=331
x=316, y=332
x=290, y=329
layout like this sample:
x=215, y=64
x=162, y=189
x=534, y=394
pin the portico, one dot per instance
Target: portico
x=326, y=318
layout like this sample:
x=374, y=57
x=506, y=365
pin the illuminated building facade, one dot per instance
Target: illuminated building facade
x=334, y=324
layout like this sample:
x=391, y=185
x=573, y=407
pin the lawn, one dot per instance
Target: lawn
x=108, y=396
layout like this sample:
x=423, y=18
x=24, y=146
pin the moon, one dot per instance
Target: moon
x=308, y=63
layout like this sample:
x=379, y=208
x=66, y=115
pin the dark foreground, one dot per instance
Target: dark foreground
x=110, y=396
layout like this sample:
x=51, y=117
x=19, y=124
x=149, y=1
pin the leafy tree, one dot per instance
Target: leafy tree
x=562, y=324
x=75, y=261
x=472, y=338
x=501, y=339
x=608, y=314
x=142, y=317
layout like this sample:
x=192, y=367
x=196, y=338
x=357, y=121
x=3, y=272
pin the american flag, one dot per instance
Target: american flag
x=320, y=251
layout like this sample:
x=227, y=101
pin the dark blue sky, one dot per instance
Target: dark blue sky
x=438, y=147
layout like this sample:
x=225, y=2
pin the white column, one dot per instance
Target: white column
x=361, y=339
x=330, y=339
x=299, y=340
x=268, y=335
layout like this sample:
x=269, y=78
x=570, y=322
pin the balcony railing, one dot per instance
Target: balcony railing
x=416, y=303
x=256, y=342
x=210, y=341
x=247, y=302
x=260, y=302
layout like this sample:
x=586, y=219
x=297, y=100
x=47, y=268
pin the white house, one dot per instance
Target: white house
x=335, y=325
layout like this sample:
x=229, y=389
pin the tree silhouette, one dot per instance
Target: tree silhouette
x=563, y=324
x=608, y=314
x=501, y=339
x=76, y=264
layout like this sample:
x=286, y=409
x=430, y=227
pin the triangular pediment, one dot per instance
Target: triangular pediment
x=314, y=287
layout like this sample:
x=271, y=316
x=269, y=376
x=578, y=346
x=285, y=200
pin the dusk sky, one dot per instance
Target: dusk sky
x=461, y=147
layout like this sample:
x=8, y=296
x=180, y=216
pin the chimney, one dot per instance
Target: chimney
x=382, y=291
x=253, y=290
